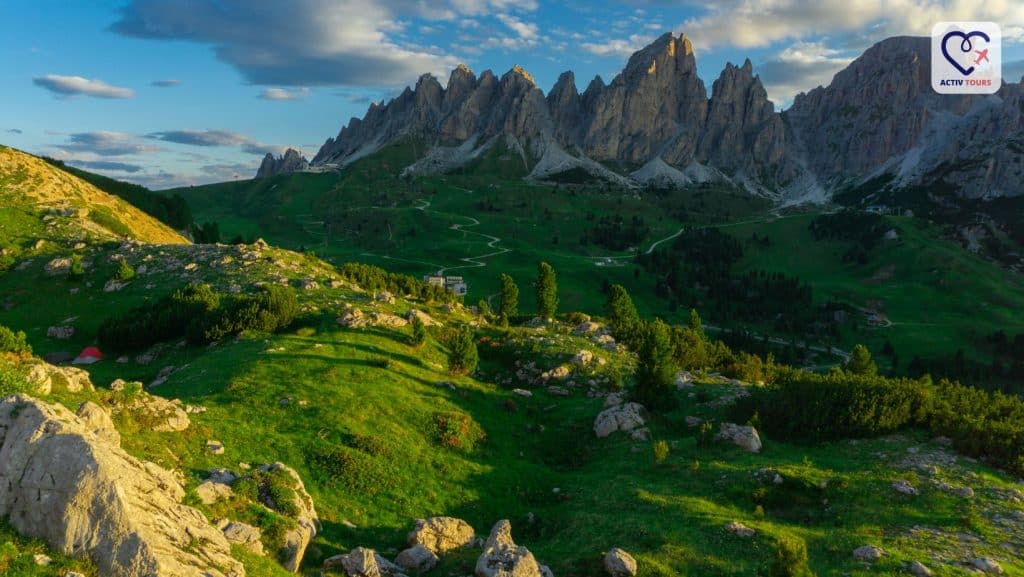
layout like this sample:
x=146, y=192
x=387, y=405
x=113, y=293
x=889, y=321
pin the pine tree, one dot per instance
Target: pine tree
x=419, y=332
x=622, y=316
x=547, y=291
x=696, y=325
x=656, y=372
x=508, y=303
x=860, y=362
x=463, y=356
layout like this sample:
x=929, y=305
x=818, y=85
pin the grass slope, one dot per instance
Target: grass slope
x=38, y=200
x=369, y=391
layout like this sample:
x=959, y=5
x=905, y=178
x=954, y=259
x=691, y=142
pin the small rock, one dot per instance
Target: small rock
x=41, y=559
x=441, y=534
x=619, y=563
x=693, y=421
x=417, y=559
x=522, y=393
x=60, y=333
x=215, y=447
x=210, y=492
x=743, y=436
x=739, y=529
x=917, y=569
x=868, y=553
x=987, y=565
x=903, y=486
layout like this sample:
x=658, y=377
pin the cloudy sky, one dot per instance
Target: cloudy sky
x=176, y=92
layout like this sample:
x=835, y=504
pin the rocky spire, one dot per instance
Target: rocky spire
x=290, y=161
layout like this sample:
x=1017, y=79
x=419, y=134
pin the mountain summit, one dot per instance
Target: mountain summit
x=878, y=118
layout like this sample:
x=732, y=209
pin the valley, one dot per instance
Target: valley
x=658, y=327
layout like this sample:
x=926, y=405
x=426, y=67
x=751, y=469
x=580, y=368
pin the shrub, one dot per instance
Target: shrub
x=808, y=407
x=202, y=316
x=656, y=372
x=13, y=342
x=456, y=430
x=419, y=332
x=77, y=269
x=661, y=450
x=463, y=355
x=790, y=559
x=11, y=380
x=124, y=272
x=356, y=471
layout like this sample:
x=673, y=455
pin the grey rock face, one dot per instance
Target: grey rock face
x=290, y=161
x=64, y=479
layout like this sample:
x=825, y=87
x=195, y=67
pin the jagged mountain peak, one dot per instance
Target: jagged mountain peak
x=520, y=72
x=875, y=112
x=291, y=161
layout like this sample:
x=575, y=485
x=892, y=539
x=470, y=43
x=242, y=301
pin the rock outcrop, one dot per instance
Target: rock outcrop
x=743, y=436
x=291, y=161
x=619, y=563
x=503, y=558
x=441, y=534
x=65, y=480
x=307, y=522
x=624, y=417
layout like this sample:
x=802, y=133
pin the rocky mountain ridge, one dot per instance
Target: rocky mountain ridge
x=289, y=162
x=654, y=123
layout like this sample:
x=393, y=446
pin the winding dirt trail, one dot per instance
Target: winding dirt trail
x=473, y=261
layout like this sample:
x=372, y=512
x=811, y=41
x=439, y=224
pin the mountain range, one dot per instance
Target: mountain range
x=878, y=122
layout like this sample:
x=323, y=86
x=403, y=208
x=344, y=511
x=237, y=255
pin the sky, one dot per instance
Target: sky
x=169, y=93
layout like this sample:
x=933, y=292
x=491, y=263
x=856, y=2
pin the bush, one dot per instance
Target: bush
x=661, y=450
x=202, y=316
x=456, y=431
x=356, y=471
x=13, y=342
x=419, y=332
x=808, y=407
x=463, y=355
x=11, y=380
x=77, y=269
x=790, y=559
x=124, y=272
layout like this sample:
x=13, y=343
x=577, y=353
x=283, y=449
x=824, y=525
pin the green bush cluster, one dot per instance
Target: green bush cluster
x=11, y=380
x=374, y=278
x=463, y=355
x=456, y=430
x=201, y=315
x=13, y=342
x=355, y=470
x=789, y=560
x=807, y=407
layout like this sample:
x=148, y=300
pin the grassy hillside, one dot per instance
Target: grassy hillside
x=939, y=298
x=372, y=399
x=40, y=201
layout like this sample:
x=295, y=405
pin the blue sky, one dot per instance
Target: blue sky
x=175, y=92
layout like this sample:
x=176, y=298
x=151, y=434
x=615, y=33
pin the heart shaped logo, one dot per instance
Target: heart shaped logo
x=966, y=46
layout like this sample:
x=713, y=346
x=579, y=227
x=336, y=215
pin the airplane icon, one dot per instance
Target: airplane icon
x=982, y=56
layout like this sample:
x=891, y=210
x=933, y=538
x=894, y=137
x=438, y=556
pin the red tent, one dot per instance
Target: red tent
x=88, y=356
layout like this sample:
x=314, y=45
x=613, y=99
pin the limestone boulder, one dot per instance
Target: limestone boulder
x=441, y=534
x=743, y=436
x=83, y=495
x=625, y=417
x=417, y=559
x=503, y=558
x=619, y=563
x=51, y=378
x=307, y=522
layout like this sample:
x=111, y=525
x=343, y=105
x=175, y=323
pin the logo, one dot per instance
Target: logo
x=967, y=58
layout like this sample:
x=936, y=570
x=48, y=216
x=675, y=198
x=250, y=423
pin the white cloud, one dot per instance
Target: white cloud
x=78, y=86
x=799, y=67
x=93, y=145
x=201, y=137
x=283, y=94
x=310, y=42
x=759, y=23
x=525, y=30
x=617, y=46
